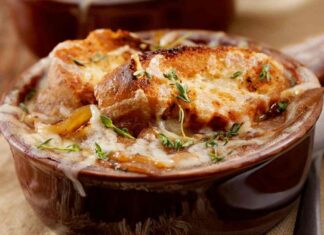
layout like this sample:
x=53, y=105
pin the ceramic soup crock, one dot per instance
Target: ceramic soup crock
x=247, y=196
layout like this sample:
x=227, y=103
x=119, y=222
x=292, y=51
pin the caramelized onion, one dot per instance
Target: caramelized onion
x=78, y=118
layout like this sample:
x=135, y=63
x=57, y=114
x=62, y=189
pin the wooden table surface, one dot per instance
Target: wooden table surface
x=279, y=29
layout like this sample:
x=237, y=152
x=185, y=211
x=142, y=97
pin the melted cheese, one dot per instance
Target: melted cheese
x=212, y=92
x=217, y=93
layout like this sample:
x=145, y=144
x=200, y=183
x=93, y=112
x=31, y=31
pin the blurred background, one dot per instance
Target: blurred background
x=31, y=28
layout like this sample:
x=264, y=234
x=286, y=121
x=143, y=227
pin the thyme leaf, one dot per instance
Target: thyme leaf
x=183, y=92
x=234, y=129
x=108, y=123
x=282, y=106
x=265, y=72
x=211, y=143
x=215, y=158
x=236, y=74
x=68, y=149
x=182, y=89
x=100, y=153
x=171, y=75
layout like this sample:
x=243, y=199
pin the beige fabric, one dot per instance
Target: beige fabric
x=16, y=215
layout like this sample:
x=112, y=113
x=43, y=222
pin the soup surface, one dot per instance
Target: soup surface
x=159, y=102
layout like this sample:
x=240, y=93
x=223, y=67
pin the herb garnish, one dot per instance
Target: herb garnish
x=226, y=135
x=236, y=74
x=68, y=149
x=234, y=129
x=211, y=143
x=78, y=62
x=265, y=72
x=174, y=144
x=23, y=107
x=182, y=89
x=215, y=158
x=171, y=75
x=108, y=123
x=282, y=106
x=100, y=153
x=140, y=71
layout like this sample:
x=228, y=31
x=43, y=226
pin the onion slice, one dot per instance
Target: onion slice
x=78, y=118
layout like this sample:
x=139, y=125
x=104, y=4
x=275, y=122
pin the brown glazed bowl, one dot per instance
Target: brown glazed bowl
x=246, y=195
x=41, y=25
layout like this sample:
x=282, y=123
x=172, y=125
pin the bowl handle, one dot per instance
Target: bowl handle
x=310, y=53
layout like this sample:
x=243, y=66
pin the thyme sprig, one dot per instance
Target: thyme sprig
x=68, y=149
x=176, y=144
x=226, y=135
x=182, y=88
x=108, y=123
x=183, y=92
x=214, y=157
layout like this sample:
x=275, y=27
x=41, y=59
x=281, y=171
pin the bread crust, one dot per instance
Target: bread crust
x=78, y=65
x=121, y=95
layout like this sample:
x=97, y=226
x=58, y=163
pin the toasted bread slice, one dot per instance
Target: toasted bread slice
x=215, y=87
x=77, y=66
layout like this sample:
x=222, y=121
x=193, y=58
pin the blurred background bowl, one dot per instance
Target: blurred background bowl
x=43, y=24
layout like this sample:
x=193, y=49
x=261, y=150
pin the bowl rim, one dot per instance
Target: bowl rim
x=213, y=170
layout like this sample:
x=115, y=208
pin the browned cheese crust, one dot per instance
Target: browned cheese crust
x=135, y=102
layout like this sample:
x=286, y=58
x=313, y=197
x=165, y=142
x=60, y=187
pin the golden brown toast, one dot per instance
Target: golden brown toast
x=214, y=87
x=77, y=66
